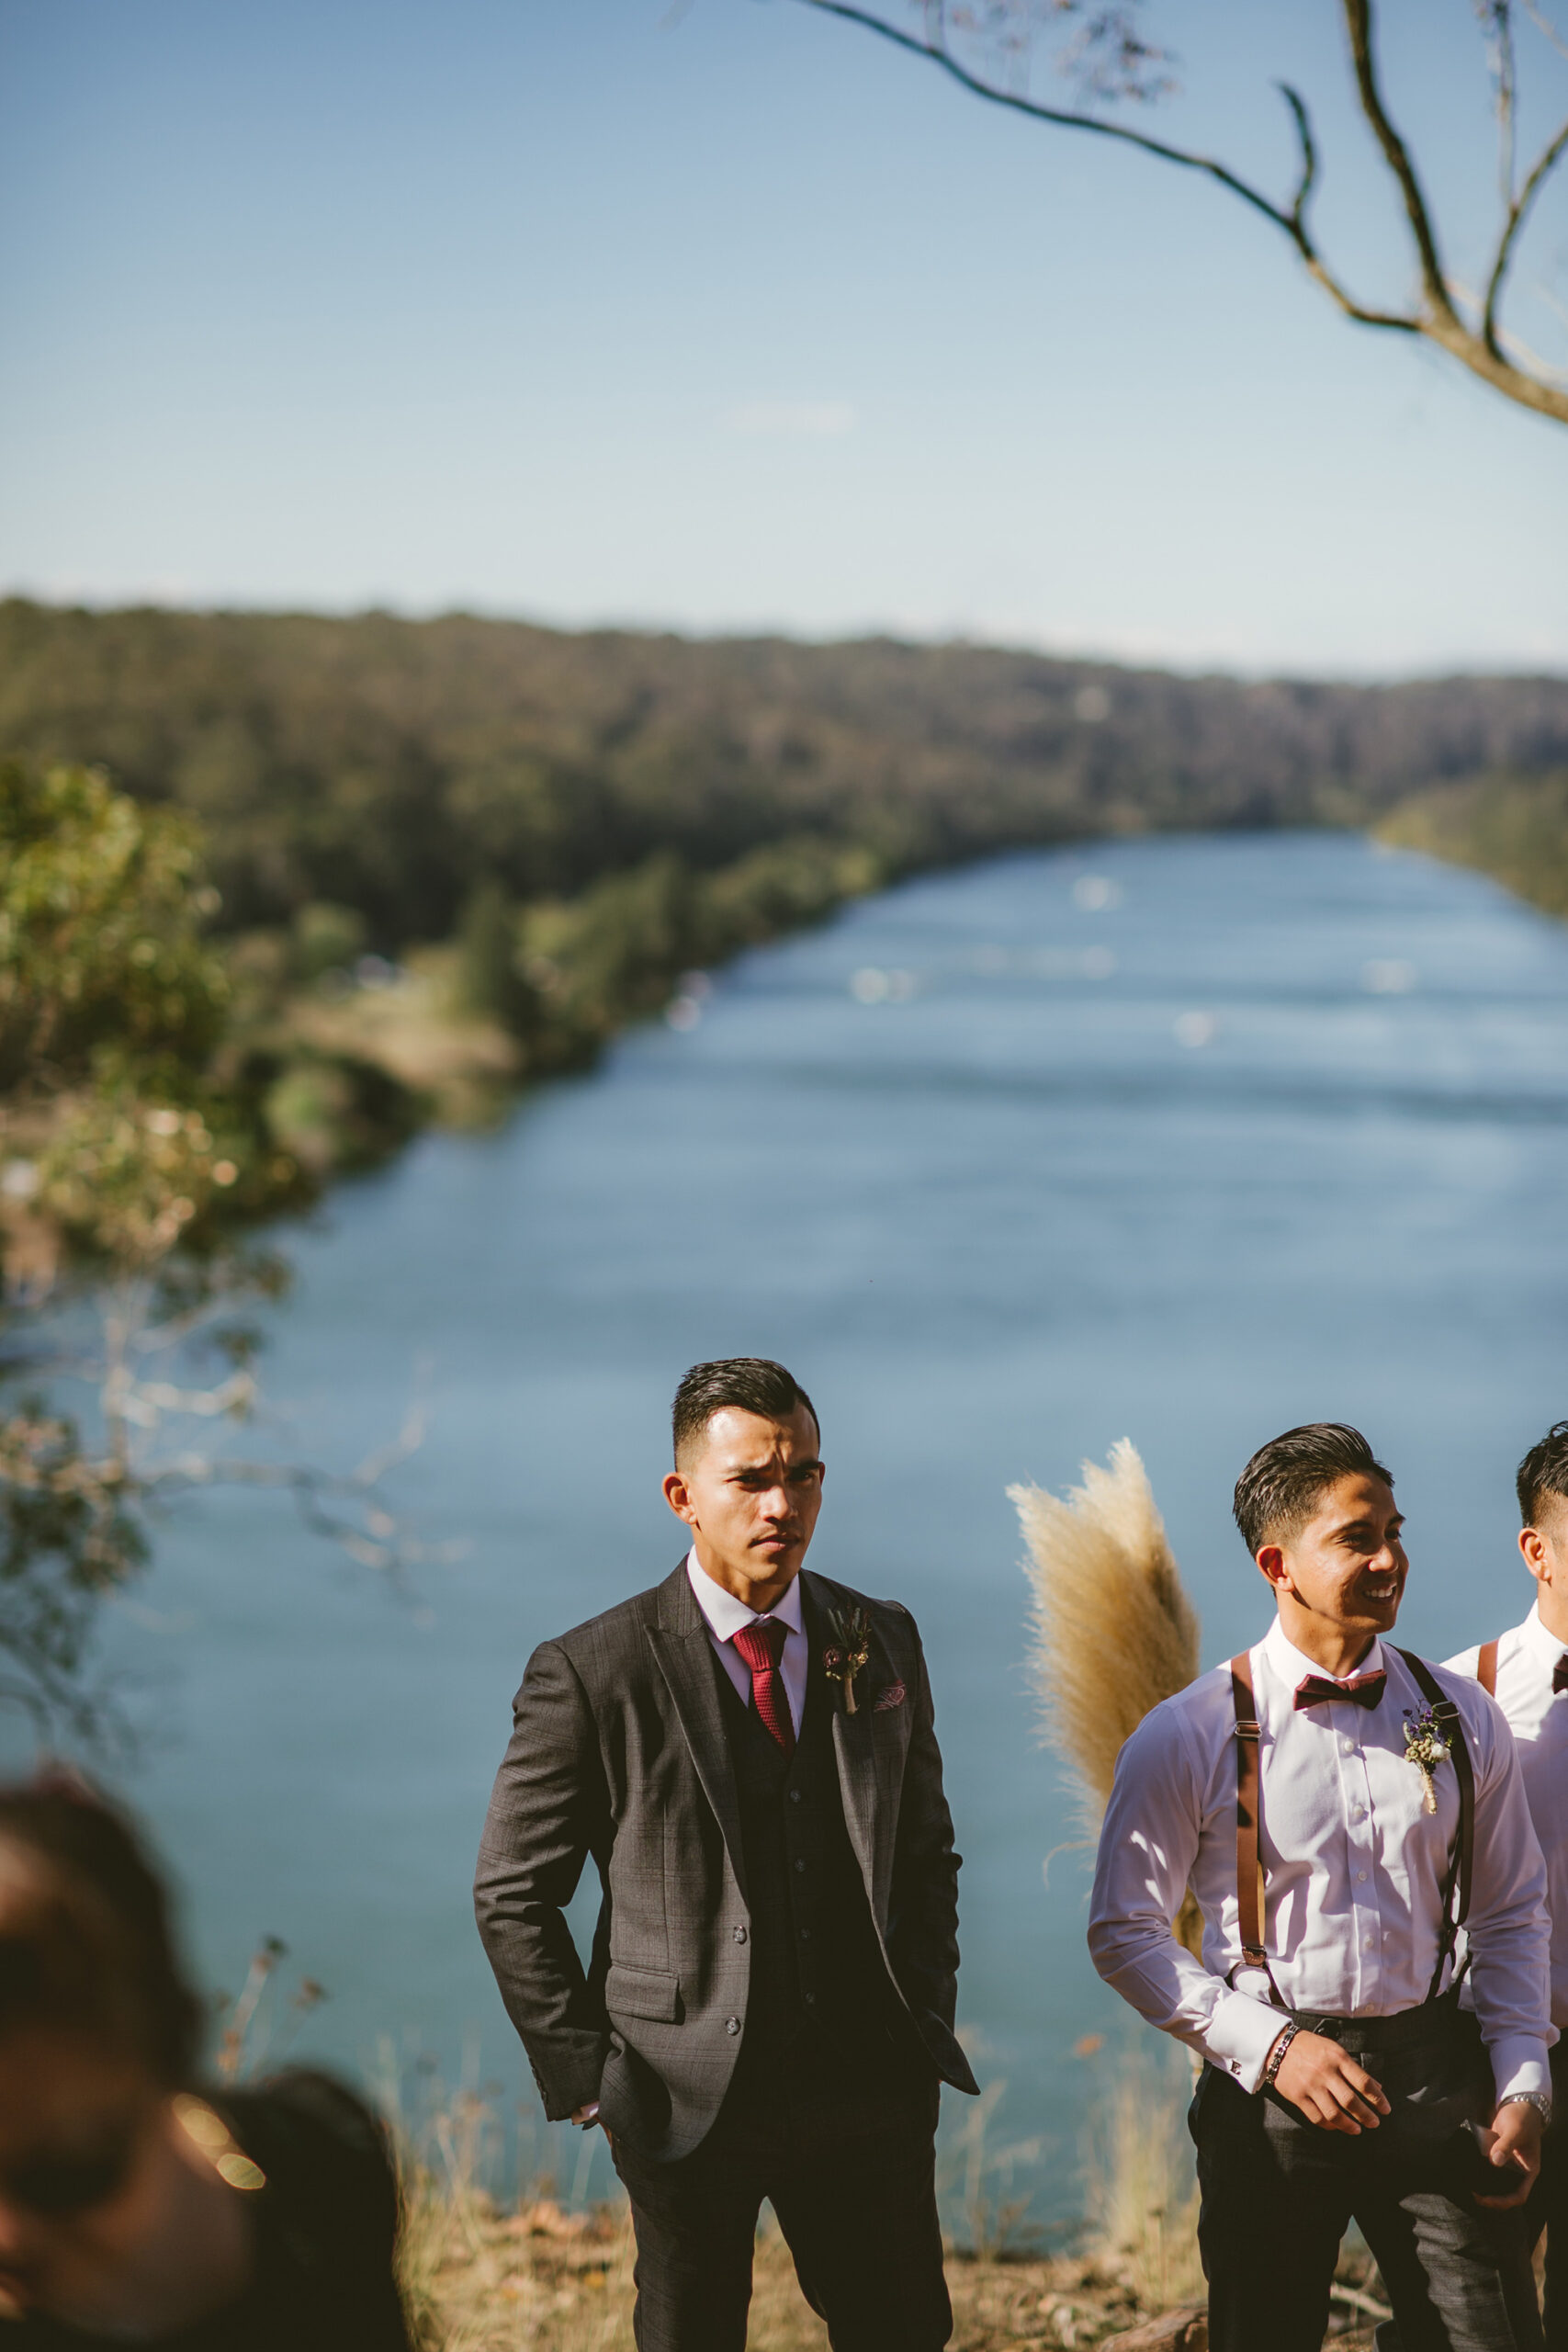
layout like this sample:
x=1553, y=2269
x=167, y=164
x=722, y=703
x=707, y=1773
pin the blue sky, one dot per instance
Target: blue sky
x=734, y=319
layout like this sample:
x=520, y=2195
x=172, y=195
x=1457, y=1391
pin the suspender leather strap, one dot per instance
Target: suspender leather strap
x=1249, y=1895
x=1251, y=1905
x=1445, y=1716
x=1486, y=1668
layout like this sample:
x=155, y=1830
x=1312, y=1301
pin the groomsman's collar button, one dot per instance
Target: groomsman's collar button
x=739, y=1934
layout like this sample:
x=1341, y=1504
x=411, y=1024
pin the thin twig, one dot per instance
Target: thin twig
x=1545, y=164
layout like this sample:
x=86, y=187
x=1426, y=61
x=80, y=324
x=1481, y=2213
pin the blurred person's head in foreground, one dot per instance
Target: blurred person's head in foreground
x=114, y=2214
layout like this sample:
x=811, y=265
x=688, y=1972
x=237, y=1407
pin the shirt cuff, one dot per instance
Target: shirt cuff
x=1239, y=2036
x=1520, y=2067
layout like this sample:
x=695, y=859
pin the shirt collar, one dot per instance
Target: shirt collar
x=725, y=1615
x=1293, y=1665
x=1545, y=1648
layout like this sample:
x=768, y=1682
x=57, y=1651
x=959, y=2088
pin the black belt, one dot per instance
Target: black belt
x=1404, y=2030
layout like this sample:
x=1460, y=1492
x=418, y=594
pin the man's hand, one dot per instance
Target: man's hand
x=1330, y=2089
x=1513, y=2144
x=588, y=2117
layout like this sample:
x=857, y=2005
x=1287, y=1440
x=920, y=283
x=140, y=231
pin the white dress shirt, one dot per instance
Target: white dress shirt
x=726, y=1616
x=1539, y=1721
x=1354, y=1868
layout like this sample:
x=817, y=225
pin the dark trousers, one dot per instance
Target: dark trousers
x=854, y=2189
x=1279, y=2193
x=1547, y=2205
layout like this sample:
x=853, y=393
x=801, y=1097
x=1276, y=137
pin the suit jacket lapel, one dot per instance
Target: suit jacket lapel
x=684, y=1657
x=867, y=1819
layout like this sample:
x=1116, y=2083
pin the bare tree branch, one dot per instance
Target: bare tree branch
x=1067, y=118
x=1545, y=164
x=1358, y=25
x=1480, y=348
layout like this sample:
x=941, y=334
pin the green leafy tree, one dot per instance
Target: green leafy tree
x=135, y=1161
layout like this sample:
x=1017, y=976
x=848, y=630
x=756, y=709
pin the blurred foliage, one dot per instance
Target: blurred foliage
x=1515, y=827
x=101, y=917
x=69, y=1531
x=128, y=1139
x=144, y=1132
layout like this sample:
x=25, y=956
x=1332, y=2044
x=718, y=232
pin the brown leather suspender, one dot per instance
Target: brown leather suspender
x=1461, y=1862
x=1251, y=1899
x=1249, y=1895
x=1486, y=1668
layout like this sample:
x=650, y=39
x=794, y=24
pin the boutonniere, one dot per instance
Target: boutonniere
x=1425, y=1747
x=849, y=1651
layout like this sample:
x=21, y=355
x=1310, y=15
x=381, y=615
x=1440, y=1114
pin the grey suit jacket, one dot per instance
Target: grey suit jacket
x=618, y=1751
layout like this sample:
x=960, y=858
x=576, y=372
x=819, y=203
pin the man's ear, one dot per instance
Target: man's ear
x=678, y=1495
x=1271, y=1566
x=1534, y=1552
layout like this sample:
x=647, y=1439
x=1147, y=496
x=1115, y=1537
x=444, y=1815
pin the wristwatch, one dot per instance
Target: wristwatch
x=1540, y=2100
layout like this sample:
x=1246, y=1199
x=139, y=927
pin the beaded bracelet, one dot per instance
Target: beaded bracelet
x=1277, y=2056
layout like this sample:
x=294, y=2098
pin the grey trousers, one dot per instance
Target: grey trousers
x=1279, y=2193
x=855, y=2195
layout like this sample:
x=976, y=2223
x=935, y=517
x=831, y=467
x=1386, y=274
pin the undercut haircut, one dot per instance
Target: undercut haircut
x=1276, y=1492
x=749, y=1384
x=1543, y=1472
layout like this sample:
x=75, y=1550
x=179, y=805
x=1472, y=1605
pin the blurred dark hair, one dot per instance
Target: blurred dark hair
x=754, y=1384
x=1275, y=1493
x=85, y=1944
x=1543, y=1471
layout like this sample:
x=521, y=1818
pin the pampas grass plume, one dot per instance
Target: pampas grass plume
x=1114, y=1632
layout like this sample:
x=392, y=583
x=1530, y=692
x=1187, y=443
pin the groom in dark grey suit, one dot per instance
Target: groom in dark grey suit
x=748, y=1754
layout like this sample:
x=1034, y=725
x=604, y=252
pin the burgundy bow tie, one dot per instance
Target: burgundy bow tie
x=1559, y=1675
x=1363, y=1690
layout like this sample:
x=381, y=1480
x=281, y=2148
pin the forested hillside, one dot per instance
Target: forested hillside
x=396, y=766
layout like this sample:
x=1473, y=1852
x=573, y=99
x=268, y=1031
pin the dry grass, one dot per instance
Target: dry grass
x=1114, y=1632
x=1141, y=2188
x=541, y=2280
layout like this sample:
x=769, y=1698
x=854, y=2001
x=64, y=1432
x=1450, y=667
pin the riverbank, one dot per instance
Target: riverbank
x=1513, y=827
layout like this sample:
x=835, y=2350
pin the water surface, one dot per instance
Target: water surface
x=1186, y=1140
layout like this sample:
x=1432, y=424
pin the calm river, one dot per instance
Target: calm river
x=1185, y=1140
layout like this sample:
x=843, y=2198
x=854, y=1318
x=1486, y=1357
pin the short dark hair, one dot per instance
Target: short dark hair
x=1543, y=1471
x=1275, y=1493
x=85, y=1941
x=753, y=1384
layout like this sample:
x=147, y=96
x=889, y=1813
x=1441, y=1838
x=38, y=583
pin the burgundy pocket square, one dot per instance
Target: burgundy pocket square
x=894, y=1696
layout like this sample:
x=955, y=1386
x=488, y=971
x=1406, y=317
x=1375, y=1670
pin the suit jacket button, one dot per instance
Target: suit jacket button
x=795, y=1796
x=739, y=1934
x=800, y=1866
x=732, y=2025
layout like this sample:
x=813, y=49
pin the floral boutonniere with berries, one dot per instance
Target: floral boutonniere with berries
x=849, y=1653
x=1425, y=1747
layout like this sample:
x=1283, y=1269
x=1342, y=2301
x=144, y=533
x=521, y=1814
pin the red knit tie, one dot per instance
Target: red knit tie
x=761, y=1646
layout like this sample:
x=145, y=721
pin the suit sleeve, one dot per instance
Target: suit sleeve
x=548, y=1811
x=922, y=1927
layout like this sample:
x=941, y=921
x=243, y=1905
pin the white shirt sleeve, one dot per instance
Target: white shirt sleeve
x=1509, y=1932
x=1147, y=1846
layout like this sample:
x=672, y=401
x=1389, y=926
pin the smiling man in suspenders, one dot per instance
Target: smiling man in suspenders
x=1337, y=1807
x=1527, y=1671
